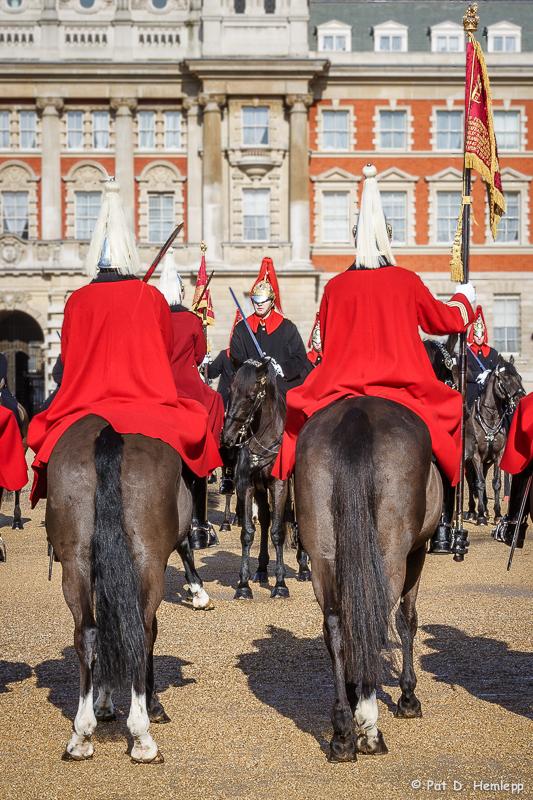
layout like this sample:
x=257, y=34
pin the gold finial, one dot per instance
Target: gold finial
x=203, y=247
x=470, y=19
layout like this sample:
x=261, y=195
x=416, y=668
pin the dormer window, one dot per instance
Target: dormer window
x=390, y=37
x=504, y=37
x=447, y=37
x=334, y=37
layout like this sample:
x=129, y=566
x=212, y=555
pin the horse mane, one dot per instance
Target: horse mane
x=246, y=377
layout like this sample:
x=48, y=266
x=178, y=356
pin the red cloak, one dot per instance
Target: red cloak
x=188, y=352
x=13, y=468
x=116, y=343
x=519, y=448
x=371, y=347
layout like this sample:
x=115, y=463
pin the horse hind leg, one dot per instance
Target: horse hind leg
x=343, y=745
x=156, y=712
x=17, y=516
x=226, y=524
x=406, y=625
x=104, y=709
x=79, y=746
x=196, y=592
x=370, y=739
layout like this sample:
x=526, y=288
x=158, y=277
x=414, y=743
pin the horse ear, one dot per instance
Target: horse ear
x=501, y=360
x=511, y=359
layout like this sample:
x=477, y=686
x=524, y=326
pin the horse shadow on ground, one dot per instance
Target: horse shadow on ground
x=294, y=676
x=6, y=520
x=487, y=668
x=61, y=677
x=13, y=672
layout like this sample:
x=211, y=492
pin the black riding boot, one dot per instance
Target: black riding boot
x=505, y=529
x=201, y=534
x=441, y=541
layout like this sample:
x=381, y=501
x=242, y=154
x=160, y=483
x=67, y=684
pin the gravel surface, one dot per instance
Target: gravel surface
x=248, y=686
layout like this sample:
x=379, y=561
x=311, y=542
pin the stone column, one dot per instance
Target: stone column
x=123, y=27
x=213, y=216
x=299, y=178
x=51, y=211
x=49, y=23
x=194, y=171
x=124, y=167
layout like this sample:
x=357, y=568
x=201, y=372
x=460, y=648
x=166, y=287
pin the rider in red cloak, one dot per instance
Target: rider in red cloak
x=116, y=345
x=13, y=469
x=371, y=346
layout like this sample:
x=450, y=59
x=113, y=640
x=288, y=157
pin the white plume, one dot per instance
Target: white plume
x=372, y=240
x=170, y=283
x=112, y=223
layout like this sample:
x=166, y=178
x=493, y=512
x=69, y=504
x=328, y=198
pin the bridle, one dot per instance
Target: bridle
x=510, y=404
x=449, y=364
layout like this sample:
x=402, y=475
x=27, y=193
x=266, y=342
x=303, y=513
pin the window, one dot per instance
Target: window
x=159, y=4
x=508, y=229
x=240, y=6
x=507, y=129
x=147, y=131
x=256, y=214
x=255, y=125
x=448, y=207
x=449, y=130
x=505, y=44
x=335, y=130
x=390, y=43
x=160, y=217
x=15, y=213
x=101, y=130
x=335, y=216
x=390, y=37
x=27, y=130
x=395, y=209
x=87, y=208
x=507, y=324
x=392, y=126
x=4, y=128
x=447, y=44
x=172, y=130
x=74, y=129
x=334, y=43
x=270, y=6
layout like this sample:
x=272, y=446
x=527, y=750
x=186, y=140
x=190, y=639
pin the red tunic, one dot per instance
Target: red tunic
x=519, y=449
x=371, y=346
x=116, y=343
x=189, y=351
x=13, y=469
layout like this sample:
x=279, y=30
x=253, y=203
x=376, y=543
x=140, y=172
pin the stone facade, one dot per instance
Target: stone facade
x=250, y=120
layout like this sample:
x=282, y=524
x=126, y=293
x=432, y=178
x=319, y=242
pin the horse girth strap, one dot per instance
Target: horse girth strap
x=270, y=453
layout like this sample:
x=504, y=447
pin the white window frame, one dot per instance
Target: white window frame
x=77, y=213
x=164, y=233
x=333, y=180
x=71, y=116
x=101, y=130
x=391, y=29
x=448, y=180
x=396, y=180
x=319, y=128
x=170, y=132
x=447, y=29
x=518, y=298
x=504, y=29
x=390, y=219
x=268, y=194
x=142, y=116
x=408, y=128
x=160, y=177
x=20, y=192
x=254, y=126
x=345, y=237
x=84, y=176
x=434, y=128
x=31, y=114
x=511, y=110
x=335, y=29
x=17, y=176
x=336, y=111
x=514, y=181
x=5, y=115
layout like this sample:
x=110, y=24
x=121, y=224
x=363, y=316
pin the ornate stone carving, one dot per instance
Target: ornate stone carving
x=117, y=103
x=206, y=100
x=55, y=103
x=87, y=177
x=83, y=249
x=44, y=251
x=12, y=299
x=295, y=100
x=11, y=249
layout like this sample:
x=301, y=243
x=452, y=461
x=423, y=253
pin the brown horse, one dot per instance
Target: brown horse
x=117, y=508
x=367, y=498
x=17, y=516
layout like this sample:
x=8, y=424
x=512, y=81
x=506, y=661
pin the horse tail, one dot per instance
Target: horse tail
x=120, y=638
x=362, y=585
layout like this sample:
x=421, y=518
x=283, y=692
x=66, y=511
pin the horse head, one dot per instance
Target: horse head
x=507, y=383
x=252, y=384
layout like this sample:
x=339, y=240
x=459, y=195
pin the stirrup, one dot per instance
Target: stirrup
x=505, y=531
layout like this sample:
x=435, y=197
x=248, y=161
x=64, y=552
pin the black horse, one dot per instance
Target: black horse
x=444, y=360
x=486, y=436
x=368, y=498
x=254, y=424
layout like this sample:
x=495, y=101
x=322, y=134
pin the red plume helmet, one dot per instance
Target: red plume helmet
x=267, y=274
x=478, y=327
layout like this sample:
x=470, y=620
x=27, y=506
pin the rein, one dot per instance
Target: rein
x=449, y=364
x=510, y=404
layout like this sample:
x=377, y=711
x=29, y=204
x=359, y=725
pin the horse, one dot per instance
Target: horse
x=444, y=360
x=368, y=497
x=254, y=424
x=17, y=525
x=117, y=508
x=486, y=436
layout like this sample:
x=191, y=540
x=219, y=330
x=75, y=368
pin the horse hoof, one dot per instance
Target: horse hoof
x=17, y=526
x=225, y=527
x=279, y=591
x=469, y=516
x=162, y=719
x=371, y=747
x=341, y=751
x=157, y=759
x=261, y=576
x=481, y=521
x=208, y=606
x=305, y=575
x=105, y=716
x=83, y=754
x=408, y=709
x=243, y=593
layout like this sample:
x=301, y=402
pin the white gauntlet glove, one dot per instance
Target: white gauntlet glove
x=468, y=290
x=483, y=377
x=277, y=367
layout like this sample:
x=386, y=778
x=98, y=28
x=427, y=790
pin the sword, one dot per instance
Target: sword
x=163, y=250
x=250, y=331
x=519, y=519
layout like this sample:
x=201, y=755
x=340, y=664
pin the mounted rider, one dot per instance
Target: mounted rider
x=116, y=346
x=369, y=319
x=6, y=398
x=481, y=358
x=277, y=336
x=189, y=351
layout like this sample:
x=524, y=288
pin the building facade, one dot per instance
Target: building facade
x=251, y=120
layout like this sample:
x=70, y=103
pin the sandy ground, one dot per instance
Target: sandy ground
x=248, y=687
